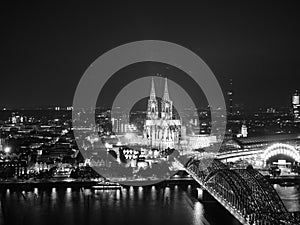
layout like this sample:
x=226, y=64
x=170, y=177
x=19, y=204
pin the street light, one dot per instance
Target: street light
x=7, y=149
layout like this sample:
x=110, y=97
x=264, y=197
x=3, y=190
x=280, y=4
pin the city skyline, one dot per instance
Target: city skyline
x=150, y=113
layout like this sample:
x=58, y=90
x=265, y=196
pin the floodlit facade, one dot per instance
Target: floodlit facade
x=296, y=106
x=161, y=130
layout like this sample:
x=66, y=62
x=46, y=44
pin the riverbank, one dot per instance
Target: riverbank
x=284, y=180
x=85, y=184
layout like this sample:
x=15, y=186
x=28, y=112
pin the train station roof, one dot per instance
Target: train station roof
x=268, y=139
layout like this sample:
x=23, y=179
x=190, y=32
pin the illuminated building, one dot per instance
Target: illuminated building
x=1, y=142
x=200, y=141
x=296, y=106
x=164, y=131
x=120, y=126
x=230, y=95
x=13, y=168
x=244, y=132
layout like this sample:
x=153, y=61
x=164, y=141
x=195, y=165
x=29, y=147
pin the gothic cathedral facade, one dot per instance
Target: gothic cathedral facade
x=161, y=129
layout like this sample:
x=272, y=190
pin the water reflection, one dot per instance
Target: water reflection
x=118, y=194
x=68, y=195
x=153, y=193
x=127, y=206
x=290, y=196
x=198, y=214
x=167, y=196
x=140, y=193
x=53, y=194
x=131, y=192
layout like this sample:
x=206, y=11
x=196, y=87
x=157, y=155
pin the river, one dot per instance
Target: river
x=129, y=206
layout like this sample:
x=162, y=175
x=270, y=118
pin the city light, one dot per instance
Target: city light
x=105, y=121
x=7, y=149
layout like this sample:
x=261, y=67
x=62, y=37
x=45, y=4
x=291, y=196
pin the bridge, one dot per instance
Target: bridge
x=245, y=193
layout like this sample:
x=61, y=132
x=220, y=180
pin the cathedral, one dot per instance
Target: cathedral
x=161, y=130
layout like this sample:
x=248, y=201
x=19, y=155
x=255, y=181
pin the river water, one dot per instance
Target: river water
x=129, y=206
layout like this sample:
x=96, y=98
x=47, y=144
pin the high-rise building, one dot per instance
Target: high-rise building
x=296, y=106
x=230, y=97
x=244, y=130
x=164, y=131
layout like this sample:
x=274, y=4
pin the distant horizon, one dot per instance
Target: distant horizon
x=245, y=105
x=239, y=105
x=64, y=107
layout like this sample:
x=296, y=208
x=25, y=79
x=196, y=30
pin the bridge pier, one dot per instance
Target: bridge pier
x=207, y=197
x=203, y=195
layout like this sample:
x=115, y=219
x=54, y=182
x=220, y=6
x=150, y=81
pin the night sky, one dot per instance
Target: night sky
x=45, y=49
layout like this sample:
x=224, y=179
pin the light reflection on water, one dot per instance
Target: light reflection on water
x=147, y=206
x=290, y=196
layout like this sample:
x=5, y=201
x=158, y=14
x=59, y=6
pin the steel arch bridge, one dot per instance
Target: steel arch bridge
x=245, y=193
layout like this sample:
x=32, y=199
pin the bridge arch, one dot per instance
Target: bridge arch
x=281, y=149
x=245, y=193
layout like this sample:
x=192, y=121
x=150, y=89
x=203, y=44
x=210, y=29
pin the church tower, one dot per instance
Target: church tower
x=161, y=131
x=166, y=104
x=152, y=112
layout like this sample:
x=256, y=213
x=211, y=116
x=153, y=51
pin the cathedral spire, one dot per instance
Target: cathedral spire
x=166, y=104
x=166, y=91
x=152, y=103
x=152, y=93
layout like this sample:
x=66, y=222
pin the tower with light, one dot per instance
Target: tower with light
x=296, y=106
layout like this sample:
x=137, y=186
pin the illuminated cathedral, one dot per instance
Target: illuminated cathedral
x=161, y=130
